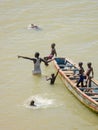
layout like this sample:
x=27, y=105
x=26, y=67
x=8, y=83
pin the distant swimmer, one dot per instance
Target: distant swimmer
x=32, y=26
x=32, y=103
x=37, y=62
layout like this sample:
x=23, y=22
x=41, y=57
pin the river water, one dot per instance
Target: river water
x=73, y=26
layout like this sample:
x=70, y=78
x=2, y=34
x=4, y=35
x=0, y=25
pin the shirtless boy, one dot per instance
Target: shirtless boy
x=53, y=52
x=89, y=74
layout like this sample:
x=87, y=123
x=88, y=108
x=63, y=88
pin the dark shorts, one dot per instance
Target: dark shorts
x=82, y=77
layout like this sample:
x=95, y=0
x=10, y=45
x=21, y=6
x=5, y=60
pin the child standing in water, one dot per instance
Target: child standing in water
x=37, y=61
x=53, y=78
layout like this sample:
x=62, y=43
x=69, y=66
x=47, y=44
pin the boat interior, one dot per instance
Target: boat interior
x=72, y=72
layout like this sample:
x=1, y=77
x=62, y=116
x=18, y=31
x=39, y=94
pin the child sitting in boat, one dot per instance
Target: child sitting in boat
x=53, y=52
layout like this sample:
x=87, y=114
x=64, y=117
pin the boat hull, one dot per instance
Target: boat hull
x=81, y=96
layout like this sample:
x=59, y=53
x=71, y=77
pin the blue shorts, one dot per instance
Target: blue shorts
x=81, y=78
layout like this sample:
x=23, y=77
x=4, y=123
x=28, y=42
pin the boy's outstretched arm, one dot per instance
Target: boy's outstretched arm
x=26, y=58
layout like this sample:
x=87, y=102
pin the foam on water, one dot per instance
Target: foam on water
x=41, y=102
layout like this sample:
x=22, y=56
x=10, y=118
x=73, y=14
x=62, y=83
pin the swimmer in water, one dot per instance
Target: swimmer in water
x=32, y=26
x=89, y=74
x=32, y=103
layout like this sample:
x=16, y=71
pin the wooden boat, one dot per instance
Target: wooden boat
x=68, y=72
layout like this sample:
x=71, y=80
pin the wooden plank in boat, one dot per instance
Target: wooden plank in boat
x=69, y=72
x=95, y=96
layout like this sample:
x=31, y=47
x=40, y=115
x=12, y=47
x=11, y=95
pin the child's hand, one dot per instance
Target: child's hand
x=46, y=64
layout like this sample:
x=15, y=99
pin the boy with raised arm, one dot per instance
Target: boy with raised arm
x=53, y=77
x=37, y=61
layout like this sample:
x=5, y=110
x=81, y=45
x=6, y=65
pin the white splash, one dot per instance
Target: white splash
x=40, y=102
